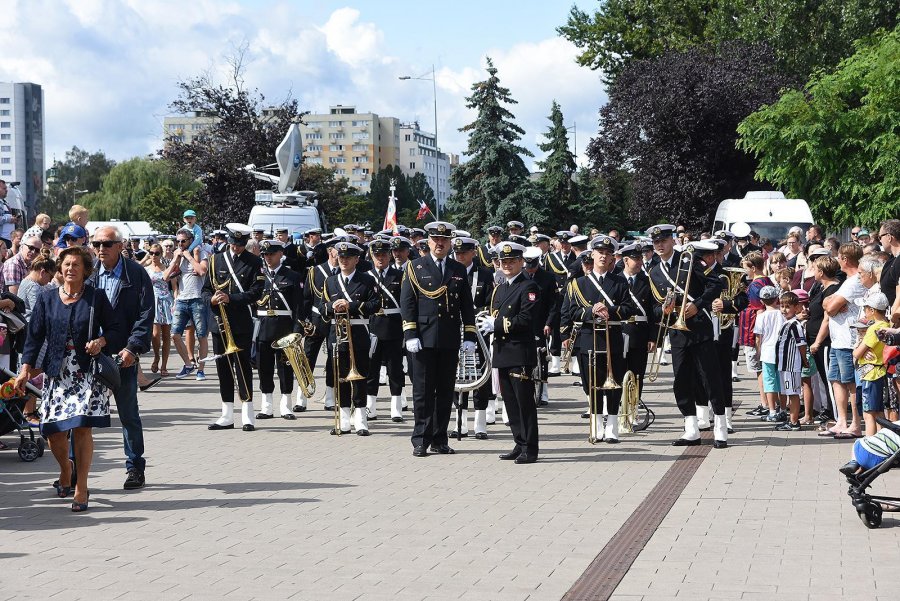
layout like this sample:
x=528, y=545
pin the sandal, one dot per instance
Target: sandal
x=154, y=367
x=79, y=507
x=164, y=372
x=64, y=491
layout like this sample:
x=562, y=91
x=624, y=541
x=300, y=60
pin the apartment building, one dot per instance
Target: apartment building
x=22, y=138
x=419, y=154
x=185, y=127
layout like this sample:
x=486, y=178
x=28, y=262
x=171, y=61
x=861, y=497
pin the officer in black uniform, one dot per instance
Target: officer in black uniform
x=292, y=256
x=495, y=237
x=387, y=328
x=234, y=283
x=693, y=350
x=219, y=240
x=514, y=309
x=600, y=300
x=280, y=312
x=643, y=332
x=400, y=247
x=481, y=284
x=547, y=321
x=436, y=305
x=579, y=245
x=726, y=310
x=312, y=292
x=354, y=293
x=515, y=228
x=558, y=262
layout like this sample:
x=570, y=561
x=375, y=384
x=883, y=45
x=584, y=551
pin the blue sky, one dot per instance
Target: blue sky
x=109, y=67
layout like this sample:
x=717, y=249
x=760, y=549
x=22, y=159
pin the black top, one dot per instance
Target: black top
x=816, y=313
x=890, y=275
x=514, y=307
x=436, y=307
x=283, y=292
x=247, y=269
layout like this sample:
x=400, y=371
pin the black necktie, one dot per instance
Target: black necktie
x=441, y=266
x=346, y=281
x=631, y=282
x=334, y=271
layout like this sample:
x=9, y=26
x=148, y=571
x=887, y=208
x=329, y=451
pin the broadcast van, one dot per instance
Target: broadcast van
x=296, y=211
x=768, y=213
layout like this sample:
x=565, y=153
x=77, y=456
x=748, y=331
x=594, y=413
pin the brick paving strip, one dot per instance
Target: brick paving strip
x=603, y=575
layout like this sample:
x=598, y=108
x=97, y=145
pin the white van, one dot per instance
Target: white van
x=129, y=229
x=297, y=211
x=768, y=213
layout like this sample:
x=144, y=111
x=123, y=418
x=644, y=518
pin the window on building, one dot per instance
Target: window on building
x=5, y=136
x=406, y=137
x=4, y=124
x=334, y=136
x=362, y=159
x=314, y=160
x=360, y=123
x=336, y=148
x=6, y=160
x=4, y=100
x=5, y=148
x=5, y=171
x=341, y=171
x=412, y=165
x=333, y=160
x=361, y=135
x=198, y=126
x=313, y=136
x=360, y=148
x=314, y=147
x=335, y=123
x=4, y=112
x=358, y=183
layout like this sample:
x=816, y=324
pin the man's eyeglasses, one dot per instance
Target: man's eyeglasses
x=32, y=248
x=183, y=241
x=883, y=234
x=104, y=243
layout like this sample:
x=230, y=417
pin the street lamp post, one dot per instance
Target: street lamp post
x=437, y=153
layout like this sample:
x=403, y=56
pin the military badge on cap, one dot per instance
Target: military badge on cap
x=267, y=247
x=510, y=250
x=440, y=229
x=238, y=232
x=604, y=243
x=661, y=231
x=348, y=249
x=515, y=225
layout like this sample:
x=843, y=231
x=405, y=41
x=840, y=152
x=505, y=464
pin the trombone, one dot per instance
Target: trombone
x=343, y=334
x=680, y=323
x=609, y=383
x=231, y=348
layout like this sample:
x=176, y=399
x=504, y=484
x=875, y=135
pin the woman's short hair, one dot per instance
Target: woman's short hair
x=44, y=262
x=86, y=259
x=156, y=247
x=777, y=257
x=829, y=266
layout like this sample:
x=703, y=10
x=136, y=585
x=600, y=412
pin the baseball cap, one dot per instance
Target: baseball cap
x=189, y=213
x=768, y=292
x=876, y=300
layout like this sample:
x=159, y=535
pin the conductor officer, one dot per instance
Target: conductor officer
x=280, y=313
x=436, y=305
x=234, y=283
x=514, y=309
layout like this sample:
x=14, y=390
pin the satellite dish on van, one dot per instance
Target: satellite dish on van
x=740, y=229
x=289, y=156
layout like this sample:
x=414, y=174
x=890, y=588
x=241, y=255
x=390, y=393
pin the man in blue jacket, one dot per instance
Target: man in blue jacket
x=130, y=292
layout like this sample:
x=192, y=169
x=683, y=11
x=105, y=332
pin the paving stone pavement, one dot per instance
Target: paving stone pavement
x=291, y=512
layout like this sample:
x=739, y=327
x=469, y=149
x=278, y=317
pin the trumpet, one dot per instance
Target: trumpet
x=566, y=358
x=294, y=356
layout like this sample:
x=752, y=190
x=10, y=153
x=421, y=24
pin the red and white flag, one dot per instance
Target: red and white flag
x=423, y=210
x=390, y=217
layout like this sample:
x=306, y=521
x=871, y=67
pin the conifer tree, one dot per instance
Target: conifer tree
x=559, y=168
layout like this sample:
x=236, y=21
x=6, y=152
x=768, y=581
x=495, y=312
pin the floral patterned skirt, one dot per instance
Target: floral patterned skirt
x=73, y=399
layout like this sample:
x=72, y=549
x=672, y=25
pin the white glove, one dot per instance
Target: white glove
x=414, y=345
x=373, y=344
x=486, y=324
x=468, y=347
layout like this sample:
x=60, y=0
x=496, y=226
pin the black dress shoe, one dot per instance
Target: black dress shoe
x=442, y=450
x=329, y=408
x=453, y=434
x=288, y=416
x=611, y=440
x=731, y=430
x=397, y=420
x=735, y=379
x=542, y=403
x=585, y=415
x=514, y=454
x=334, y=432
x=362, y=432
x=481, y=436
x=134, y=480
x=298, y=409
x=248, y=428
x=720, y=444
x=151, y=383
x=849, y=468
x=705, y=428
x=684, y=442
x=523, y=458
x=218, y=427
x=265, y=415
x=420, y=451
x=372, y=417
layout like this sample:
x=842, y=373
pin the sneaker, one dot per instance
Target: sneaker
x=134, y=480
x=200, y=375
x=758, y=410
x=185, y=372
x=781, y=416
x=770, y=418
x=788, y=427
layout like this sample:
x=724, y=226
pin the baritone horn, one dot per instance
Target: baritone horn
x=734, y=275
x=292, y=346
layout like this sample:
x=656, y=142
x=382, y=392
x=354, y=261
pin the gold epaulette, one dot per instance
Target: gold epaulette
x=579, y=296
x=311, y=276
x=553, y=267
x=659, y=297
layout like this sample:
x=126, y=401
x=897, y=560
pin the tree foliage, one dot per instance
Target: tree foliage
x=557, y=179
x=241, y=134
x=79, y=170
x=495, y=170
x=837, y=142
x=164, y=206
x=672, y=122
x=129, y=182
x=804, y=36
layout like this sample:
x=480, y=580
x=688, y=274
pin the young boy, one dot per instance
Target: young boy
x=790, y=358
x=768, y=324
x=869, y=359
x=809, y=370
x=190, y=222
x=753, y=264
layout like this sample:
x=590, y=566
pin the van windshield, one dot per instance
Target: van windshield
x=775, y=231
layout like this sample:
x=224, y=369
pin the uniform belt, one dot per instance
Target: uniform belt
x=359, y=322
x=609, y=323
x=394, y=311
x=273, y=313
x=640, y=319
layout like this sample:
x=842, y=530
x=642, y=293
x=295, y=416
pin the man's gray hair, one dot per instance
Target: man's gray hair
x=870, y=265
x=110, y=228
x=186, y=231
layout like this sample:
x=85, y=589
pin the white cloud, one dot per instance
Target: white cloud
x=109, y=69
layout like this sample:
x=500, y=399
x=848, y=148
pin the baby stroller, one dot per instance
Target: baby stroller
x=870, y=507
x=12, y=417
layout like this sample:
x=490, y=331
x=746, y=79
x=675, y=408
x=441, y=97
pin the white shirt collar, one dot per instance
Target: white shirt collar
x=348, y=277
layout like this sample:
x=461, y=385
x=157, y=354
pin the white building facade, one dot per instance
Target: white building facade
x=22, y=138
x=419, y=154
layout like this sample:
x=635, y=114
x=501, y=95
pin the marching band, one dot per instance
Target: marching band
x=462, y=318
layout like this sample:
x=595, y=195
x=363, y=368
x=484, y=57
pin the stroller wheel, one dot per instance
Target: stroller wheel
x=871, y=515
x=41, y=446
x=28, y=451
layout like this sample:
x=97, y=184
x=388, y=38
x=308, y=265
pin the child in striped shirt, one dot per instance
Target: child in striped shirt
x=790, y=358
x=872, y=450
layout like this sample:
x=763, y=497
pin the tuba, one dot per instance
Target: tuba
x=735, y=276
x=472, y=371
x=292, y=347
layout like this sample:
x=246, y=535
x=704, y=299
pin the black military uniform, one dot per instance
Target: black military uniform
x=387, y=327
x=611, y=289
x=293, y=257
x=514, y=309
x=644, y=329
x=693, y=351
x=548, y=315
x=238, y=276
x=280, y=312
x=359, y=289
x=481, y=285
x=726, y=345
x=312, y=343
x=436, y=305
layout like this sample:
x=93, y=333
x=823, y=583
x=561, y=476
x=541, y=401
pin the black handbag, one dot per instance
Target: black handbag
x=104, y=368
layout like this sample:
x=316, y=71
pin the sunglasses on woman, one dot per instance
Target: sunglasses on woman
x=154, y=254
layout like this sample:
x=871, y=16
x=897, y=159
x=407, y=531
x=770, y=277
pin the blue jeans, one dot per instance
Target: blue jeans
x=192, y=310
x=130, y=416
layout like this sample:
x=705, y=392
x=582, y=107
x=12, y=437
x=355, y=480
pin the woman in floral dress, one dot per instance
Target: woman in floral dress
x=162, y=323
x=74, y=402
